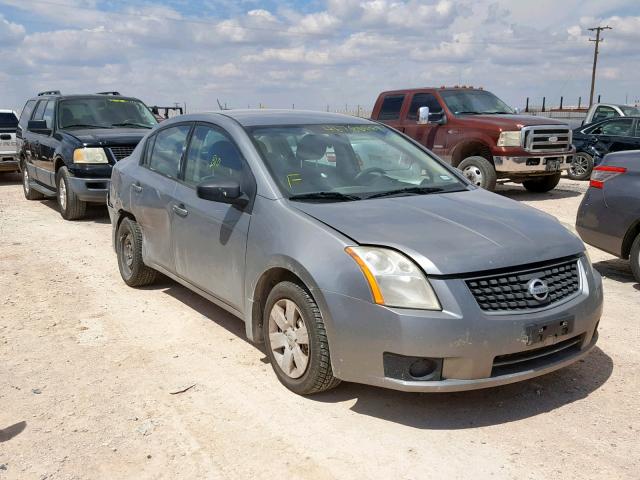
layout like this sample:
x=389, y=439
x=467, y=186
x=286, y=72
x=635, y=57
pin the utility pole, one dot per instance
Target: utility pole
x=597, y=41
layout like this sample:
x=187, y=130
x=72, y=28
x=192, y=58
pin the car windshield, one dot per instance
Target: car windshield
x=474, y=102
x=349, y=162
x=630, y=111
x=8, y=120
x=104, y=113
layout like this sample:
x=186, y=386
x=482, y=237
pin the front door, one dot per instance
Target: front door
x=210, y=238
x=431, y=135
x=391, y=110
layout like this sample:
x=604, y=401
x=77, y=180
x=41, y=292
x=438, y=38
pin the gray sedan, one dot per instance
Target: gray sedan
x=353, y=252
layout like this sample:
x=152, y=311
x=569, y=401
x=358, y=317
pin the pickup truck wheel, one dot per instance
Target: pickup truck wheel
x=581, y=166
x=480, y=172
x=296, y=340
x=634, y=258
x=542, y=184
x=71, y=207
x=29, y=193
x=129, y=252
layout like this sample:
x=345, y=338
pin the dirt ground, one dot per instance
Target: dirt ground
x=88, y=367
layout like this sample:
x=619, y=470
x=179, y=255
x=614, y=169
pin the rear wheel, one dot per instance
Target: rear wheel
x=129, y=252
x=296, y=340
x=29, y=193
x=479, y=171
x=71, y=207
x=634, y=258
x=542, y=184
x=581, y=166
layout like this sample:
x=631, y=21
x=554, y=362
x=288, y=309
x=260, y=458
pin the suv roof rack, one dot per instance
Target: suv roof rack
x=108, y=93
x=49, y=92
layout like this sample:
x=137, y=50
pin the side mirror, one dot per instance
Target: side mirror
x=423, y=115
x=38, y=126
x=222, y=191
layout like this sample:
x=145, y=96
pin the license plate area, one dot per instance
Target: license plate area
x=540, y=332
x=552, y=165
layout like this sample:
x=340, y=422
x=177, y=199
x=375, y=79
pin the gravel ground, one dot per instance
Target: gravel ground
x=88, y=367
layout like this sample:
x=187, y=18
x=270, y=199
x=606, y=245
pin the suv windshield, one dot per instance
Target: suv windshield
x=8, y=120
x=630, y=111
x=349, y=162
x=474, y=102
x=104, y=113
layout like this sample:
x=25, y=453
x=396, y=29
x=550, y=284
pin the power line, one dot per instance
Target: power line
x=597, y=41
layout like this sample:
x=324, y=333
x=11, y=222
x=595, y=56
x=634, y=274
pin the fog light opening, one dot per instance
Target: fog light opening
x=422, y=368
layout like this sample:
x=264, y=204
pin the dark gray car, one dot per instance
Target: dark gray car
x=609, y=215
x=353, y=252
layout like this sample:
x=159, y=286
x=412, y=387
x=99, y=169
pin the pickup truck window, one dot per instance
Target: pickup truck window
x=8, y=120
x=424, y=100
x=461, y=101
x=602, y=113
x=391, y=106
x=630, y=111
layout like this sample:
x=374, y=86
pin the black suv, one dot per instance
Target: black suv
x=68, y=143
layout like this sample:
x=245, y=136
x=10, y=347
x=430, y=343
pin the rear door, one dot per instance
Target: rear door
x=210, y=238
x=152, y=193
x=48, y=145
x=391, y=110
x=432, y=135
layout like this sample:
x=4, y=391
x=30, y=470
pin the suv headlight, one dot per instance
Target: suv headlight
x=394, y=280
x=89, y=155
x=509, y=139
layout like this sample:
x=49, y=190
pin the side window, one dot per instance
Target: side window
x=637, y=129
x=168, y=149
x=26, y=114
x=603, y=113
x=619, y=128
x=148, y=148
x=42, y=105
x=424, y=100
x=212, y=155
x=391, y=106
x=48, y=114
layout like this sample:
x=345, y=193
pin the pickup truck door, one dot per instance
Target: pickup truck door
x=391, y=111
x=432, y=135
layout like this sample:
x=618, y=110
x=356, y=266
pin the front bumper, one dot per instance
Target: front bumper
x=9, y=161
x=532, y=164
x=463, y=338
x=90, y=189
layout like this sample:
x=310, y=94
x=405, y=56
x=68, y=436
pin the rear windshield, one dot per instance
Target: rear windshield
x=8, y=120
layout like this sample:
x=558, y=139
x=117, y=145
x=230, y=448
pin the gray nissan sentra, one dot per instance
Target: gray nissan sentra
x=353, y=252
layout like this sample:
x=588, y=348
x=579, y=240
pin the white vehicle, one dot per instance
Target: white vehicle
x=602, y=111
x=8, y=146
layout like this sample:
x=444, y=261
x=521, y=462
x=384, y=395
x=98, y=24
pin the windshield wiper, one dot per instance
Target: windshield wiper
x=337, y=196
x=408, y=190
x=497, y=113
x=467, y=113
x=132, y=124
x=83, y=125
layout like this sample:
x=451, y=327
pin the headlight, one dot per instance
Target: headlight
x=394, y=280
x=89, y=155
x=509, y=139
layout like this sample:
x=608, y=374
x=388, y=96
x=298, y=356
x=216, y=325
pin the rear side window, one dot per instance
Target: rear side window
x=42, y=105
x=168, y=149
x=424, y=100
x=26, y=113
x=391, y=106
x=603, y=113
x=8, y=120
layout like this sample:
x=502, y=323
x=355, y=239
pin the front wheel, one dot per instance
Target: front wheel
x=581, y=166
x=296, y=340
x=71, y=207
x=634, y=258
x=480, y=172
x=542, y=184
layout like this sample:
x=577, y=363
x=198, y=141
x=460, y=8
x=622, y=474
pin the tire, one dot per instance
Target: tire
x=316, y=376
x=480, y=172
x=29, y=193
x=71, y=207
x=634, y=258
x=542, y=184
x=581, y=167
x=129, y=252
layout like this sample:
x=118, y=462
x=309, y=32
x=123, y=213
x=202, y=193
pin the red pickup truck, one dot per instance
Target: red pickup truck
x=477, y=132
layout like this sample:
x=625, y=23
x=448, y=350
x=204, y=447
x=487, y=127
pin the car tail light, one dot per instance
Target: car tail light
x=603, y=173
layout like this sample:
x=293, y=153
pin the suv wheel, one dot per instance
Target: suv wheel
x=480, y=172
x=581, y=166
x=71, y=207
x=542, y=184
x=634, y=258
x=296, y=340
x=29, y=193
x=129, y=251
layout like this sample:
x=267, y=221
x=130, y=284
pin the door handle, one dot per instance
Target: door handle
x=136, y=187
x=180, y=210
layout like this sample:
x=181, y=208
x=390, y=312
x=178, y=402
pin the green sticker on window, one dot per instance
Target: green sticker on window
x=215, y=161
x=293, y=178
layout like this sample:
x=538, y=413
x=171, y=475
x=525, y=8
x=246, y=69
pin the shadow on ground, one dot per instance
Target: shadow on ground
x=616, y=269
x=10, y=178
x=96, y=213
x=517, y=192
x=8, y=433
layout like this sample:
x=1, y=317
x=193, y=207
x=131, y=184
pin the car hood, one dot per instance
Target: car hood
x=509, y=122
x=451, y=233
x=108, y=136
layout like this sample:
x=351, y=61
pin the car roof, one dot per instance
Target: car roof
x=269, y=117
x=88, y=95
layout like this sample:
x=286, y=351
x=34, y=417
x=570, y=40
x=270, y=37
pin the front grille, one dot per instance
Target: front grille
x=546, y=138
x=536, y=358
x=121, y=152
x=509, y=291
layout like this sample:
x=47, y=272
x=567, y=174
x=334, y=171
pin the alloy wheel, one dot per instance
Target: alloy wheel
x=62, y=193
x=579, y=165
x=289, y=338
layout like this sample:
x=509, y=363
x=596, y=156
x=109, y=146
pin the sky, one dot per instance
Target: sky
x=315, y=54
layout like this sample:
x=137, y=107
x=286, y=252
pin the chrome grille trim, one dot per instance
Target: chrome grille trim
x=536, y=138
